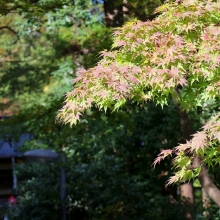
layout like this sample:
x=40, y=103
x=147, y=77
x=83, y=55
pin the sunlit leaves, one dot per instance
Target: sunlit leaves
x=198, y=141
x=179, y=48
x=162, y=155
x=204, y=144
x=150, y=60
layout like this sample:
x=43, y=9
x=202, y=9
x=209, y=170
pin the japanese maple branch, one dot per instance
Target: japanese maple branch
x=204, y=178
x=206, y=182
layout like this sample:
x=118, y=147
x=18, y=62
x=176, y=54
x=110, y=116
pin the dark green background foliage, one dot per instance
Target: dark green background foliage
x=109, y=168
x=109, y=155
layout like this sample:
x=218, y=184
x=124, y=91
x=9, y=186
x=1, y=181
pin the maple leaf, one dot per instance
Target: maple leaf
x=174, y=72
x=104, y=93
x=116, y=33
x=170, y=84
x=209, y=7
x=120, y=43
x=170, y=51
x=205, y=57
x=157, y=160
x=81, y=93
x=156, y=36
x=137, y=26
x=206, y=37
x=197, y=13
x=186, y=14
x=213, y=30
x=80, y=72
x=217, y=135
x=189, y=2
x=77, y=116
x=156, y=80
x=123, y=87
x=107, y=54
x=188, y=27
x=161, y=156
x=199, y=141
x=183, y=147
x=129, y=35
x=134, y=80
x=216, y=125
x=171, y=180
x=207, y=127
x=183, y=81
x=124, y=69
x=216, y=60
x=181, y=57
x=89, y=102
x=136, y=69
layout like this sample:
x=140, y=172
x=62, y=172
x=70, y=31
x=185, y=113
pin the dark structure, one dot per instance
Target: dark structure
x=7, y=179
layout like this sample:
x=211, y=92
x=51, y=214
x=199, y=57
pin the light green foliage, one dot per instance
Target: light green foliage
x=37, y=50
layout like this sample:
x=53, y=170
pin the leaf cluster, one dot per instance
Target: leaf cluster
x=149, y=60
x=204, y=144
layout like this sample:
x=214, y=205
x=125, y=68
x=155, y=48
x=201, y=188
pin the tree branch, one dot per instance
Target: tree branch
x=204, y=178
x=12, y=30
x=207, y=183
x=138, y=13
x=9, y=28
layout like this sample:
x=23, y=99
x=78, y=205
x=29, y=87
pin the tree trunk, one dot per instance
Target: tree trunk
x=206, y=202
x=208, y=185
x=205, y=181
x=186, y=189
x=113, y=13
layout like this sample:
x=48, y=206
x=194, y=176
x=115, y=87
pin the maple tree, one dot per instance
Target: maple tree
x=120, y=169
x=174, y=56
